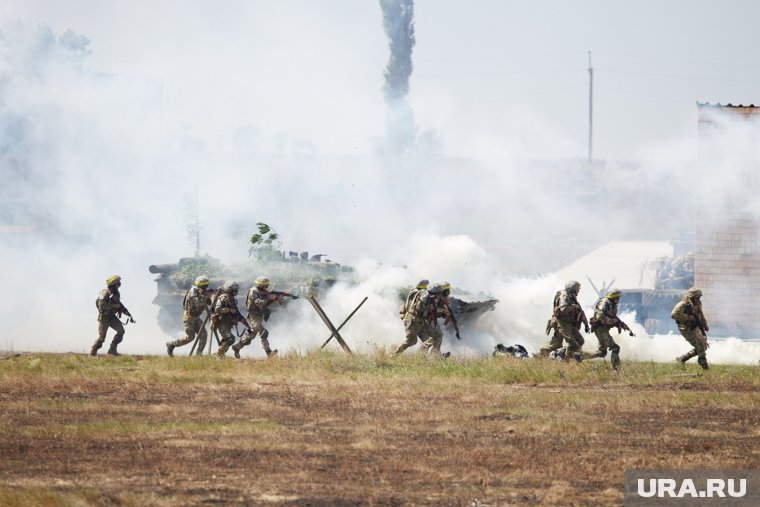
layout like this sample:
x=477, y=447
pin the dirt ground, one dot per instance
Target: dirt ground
x=137, y=437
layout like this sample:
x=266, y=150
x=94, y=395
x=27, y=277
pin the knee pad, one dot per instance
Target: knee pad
x=615, y=349
x=264, y=334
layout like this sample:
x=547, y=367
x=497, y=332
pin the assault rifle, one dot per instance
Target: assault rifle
x=123, y=309
x=278, y=294
x=622, y=326
x=239, y=316
x=449, y=314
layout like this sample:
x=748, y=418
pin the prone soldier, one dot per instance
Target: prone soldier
x=110, y=309
x=195, y=302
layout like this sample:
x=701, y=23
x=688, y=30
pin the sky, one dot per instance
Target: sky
x=483, y=70
x=112, y=114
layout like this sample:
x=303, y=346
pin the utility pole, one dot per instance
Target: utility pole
x=590, y=109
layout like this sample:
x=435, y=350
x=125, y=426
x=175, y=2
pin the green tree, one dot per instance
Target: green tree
x=265, y=244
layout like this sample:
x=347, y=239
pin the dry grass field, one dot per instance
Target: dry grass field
x=332, y=429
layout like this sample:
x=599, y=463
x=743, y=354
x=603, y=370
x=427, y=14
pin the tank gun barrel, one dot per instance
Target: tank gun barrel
x=163, y=268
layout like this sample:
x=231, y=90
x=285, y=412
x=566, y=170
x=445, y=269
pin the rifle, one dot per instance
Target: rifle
x=240, y=318
x=449, y=314
x=280, y=294
x=622, y=326
x=123, y=309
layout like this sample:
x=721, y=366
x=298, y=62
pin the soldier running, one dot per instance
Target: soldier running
x=442, y=310
x=569, y=314
x=195, y=302
x=419, y=316
x=605, y=318
x=225, y=316
x=110, y=310
x=257, y=301
x=693, y=326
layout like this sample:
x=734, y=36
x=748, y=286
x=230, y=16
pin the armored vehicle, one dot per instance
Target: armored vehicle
x=296, y=273
x=673, y=278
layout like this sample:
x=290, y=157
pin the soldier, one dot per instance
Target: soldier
x=605, y=318
x=693, y=326
x=196, y=300
x=442, y=310
x=566, y=320
x=257, y=301
x=226, y=315
x=420, y=315
x=422, y=284
x=110, y=310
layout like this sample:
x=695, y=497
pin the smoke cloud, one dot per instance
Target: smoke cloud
x=97, y=165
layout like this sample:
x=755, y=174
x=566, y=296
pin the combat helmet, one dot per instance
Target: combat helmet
x=202, y=281
x=230, y=287
x=572, y=286
x=113, y=280
x=613, y=293
x=445, y=288
x=694, y=292
x=262, y=281
x=423, y=284
x=435, y=288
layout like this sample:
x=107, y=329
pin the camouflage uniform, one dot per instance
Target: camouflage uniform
x=569, y=315
x=417, y=319
x=555, y=340
x=109, y=309
x=256, y=302
x=687, y=313
x=224, y=317
x=566, y=322
x=194, y=303
x=442, y=310
x=605, y=318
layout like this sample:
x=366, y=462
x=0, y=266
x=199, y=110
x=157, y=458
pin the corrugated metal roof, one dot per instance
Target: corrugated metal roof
x=707, y=104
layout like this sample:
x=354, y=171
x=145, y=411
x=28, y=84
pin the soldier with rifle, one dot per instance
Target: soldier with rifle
x=257, y=302
x=605, y=318
x=226, y=315
x=110, y=310
x=196, y=301
x=566, y=321
x=442, y=310
x=419, y=316
x=693, y=326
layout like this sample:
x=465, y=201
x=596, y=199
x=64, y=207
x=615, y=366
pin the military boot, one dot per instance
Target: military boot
x=112, y=351
x=271, y=353
x=170, y=349
x=236, y=349
x=703, y=363
x=682, y=359
x=94, y=350
x=615, y=360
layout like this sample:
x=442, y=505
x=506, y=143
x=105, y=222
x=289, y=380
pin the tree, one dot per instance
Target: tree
x=265, y=245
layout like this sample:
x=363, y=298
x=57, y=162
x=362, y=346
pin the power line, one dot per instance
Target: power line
x=678, y=76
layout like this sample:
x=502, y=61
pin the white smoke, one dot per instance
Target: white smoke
x=98, y=163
